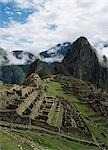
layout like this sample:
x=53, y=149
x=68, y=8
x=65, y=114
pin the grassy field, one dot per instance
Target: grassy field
x=27, y=140
x=54, y=118
x=50, y=142
x=55, y=89
x=100, y=136
x=9, y=141
x=85, y=109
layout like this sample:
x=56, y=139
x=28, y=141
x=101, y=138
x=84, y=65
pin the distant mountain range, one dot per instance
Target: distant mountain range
x=27, y=57
x=56, y=53
x=78, y=59
x=17, y=57
x=14, y=66
x=20, y=57
x=80, y=62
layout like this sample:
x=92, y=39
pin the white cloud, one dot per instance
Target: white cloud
x=73, y=18
x=26, y=3
x=5, y=1
x=7, y=12
x=54, y=59
x=18, y=12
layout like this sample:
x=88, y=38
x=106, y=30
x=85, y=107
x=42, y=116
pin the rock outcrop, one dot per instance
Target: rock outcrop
x=81, y=62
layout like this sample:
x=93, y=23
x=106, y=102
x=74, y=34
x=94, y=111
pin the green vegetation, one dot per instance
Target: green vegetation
x=85, y=109
x=102, y=123
x=59, y=88
x=54, y=118
x=12, y=74
x=57, y=117
x=53, y=142
x=29, y=140
x=55, y=89
x=97, y=132
x=9, y=141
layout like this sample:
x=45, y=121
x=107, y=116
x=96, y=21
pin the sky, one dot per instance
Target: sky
x=37, y=25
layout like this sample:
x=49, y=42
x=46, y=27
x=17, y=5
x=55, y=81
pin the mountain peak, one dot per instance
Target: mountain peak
x=81, y=61
x=81, y=42
x=82, y=38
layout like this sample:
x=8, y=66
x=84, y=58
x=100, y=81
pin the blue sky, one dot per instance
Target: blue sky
x=9, y=11
x=37, y=25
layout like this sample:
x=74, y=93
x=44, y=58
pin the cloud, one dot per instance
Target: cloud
x=51, y=60
x=70, y=19
x=5, y=1
x=15, y=61
x=24, y=59
x=18, y=12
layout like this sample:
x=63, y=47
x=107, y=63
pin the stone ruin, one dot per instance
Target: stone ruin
x=87, y=93
x=29, y=105
x=72, y=119
x=33, y=80
x=93, y=98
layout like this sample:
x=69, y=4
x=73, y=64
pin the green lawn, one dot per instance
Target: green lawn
x=55, y=89
x=102, y=123
x=9, y=141
x=97, y=132
x=53, y=142
x=85, y=109
x=42, y=141
x=54, y=118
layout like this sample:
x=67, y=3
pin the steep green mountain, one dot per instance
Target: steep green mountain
x=45, y=70
x=42, y=68
x=81, y=62
x=12, y=74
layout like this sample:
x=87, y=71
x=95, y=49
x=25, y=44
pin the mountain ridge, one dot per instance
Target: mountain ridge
x=80, y=61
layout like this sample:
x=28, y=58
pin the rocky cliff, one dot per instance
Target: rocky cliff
x=81, y=62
